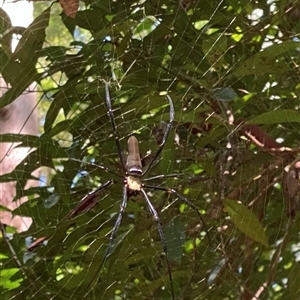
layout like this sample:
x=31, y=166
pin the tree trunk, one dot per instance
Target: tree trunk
x=18, y=117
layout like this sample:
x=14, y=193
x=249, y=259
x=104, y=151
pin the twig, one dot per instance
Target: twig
x=10, y=247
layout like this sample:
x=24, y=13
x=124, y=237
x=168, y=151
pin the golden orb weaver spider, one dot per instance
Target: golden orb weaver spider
x=133, y=184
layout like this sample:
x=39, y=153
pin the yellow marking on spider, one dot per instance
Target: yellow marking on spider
x=134, y=184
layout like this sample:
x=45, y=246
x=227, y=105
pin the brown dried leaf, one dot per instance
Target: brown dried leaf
x=259, y=136
x=70, y=7
x=291, y=189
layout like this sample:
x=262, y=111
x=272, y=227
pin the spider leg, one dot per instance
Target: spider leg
x=182, y=199
x=114, y=126
x=162, y=237
x=105, y=169
x=174, y=175
x=88, y=201
x=112, y=237
x=165, y=137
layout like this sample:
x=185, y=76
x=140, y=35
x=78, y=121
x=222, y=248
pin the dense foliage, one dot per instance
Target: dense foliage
x=232, y=71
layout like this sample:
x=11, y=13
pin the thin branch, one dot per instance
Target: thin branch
x=10, y=247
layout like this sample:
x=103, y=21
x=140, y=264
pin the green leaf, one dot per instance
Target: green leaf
x=293, y=281
x=4, y=208
x=246, y=221
x=63, y=99
x=6, y=278
x=20, y=71
x=145, y=27
x=89, y=19
x=69, y=23
x=44, y=143
x=6, y=36
x=276, y=117
x=5, y=22
x=214, y=47
x=33, y=37
x=264, y=61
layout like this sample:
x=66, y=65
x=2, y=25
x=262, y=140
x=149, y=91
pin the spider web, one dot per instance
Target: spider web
x=226, y=65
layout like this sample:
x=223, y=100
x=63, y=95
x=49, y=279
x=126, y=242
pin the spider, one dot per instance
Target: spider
x=133, y=185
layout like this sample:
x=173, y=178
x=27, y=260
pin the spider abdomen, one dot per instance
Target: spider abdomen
x=134, y=162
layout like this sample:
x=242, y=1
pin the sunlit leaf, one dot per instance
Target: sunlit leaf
x=276, y=117
x=246, y=221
